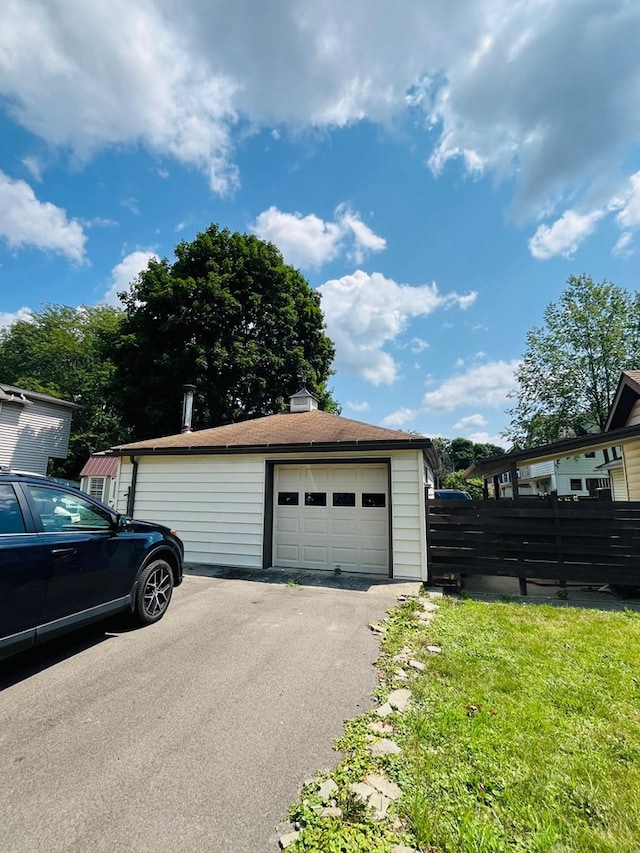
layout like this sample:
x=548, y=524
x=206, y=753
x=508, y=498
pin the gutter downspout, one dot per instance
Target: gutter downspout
x=131, y=499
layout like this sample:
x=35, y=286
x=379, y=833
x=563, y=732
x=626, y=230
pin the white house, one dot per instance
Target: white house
x=300, y=490
x=33, y=429
x=580, y=475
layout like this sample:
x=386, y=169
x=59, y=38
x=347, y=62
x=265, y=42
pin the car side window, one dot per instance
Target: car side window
x=11, y=520
x=60, y=511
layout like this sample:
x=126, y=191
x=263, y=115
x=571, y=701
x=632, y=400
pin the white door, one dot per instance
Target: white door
x=328, y=516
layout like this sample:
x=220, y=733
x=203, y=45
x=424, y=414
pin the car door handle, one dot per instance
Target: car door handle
x=63, y=552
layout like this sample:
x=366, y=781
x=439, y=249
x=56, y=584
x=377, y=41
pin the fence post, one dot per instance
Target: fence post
x=557, y=525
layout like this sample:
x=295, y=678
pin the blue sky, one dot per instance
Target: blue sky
x=436, y=174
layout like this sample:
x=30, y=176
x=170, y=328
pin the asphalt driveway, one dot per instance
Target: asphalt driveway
x=193, y=734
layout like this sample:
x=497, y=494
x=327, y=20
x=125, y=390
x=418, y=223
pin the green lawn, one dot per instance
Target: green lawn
x=523, y=736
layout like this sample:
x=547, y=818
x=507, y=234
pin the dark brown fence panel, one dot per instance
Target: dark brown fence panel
x=591, y=542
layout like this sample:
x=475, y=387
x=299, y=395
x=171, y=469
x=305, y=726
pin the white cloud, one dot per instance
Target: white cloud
x=623, y=245
x=483, y=385
x=33, y=165
x=487, y=438
x=365, y=312
x=308, y=241
x=25, y=221
x=564, y=236
x=397, y=419
x=494, y=80
x=469, y=422
x=628, y=205
x=358, y=407
x=125, y=272
x=7, y=318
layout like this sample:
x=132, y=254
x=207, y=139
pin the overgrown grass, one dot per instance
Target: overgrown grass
x=523, y=736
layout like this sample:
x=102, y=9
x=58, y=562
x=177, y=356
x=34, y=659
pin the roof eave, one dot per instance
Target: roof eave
x=558, y=450
x=322, y=446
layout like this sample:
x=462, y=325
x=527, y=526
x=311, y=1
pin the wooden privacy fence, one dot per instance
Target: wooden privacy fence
x=591, y=542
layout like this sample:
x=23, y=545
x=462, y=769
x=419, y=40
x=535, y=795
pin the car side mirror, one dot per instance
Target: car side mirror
x=121, y=522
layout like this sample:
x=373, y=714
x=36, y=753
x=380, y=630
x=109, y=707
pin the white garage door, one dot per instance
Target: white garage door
x=331, y=515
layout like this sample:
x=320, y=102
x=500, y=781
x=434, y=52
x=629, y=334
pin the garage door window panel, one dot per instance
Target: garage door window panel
x=374, y=500
x=344, y=498
x=315, y=498
x=288, y=498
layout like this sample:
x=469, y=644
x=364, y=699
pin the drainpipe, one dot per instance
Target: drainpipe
x=187, y=407
x=131, y=499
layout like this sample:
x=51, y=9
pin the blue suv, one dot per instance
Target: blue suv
x=67, y=559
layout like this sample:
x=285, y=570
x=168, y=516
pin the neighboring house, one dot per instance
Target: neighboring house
x=579, y=476
x=98, y=477
x=33, y=429
x=623, y=463
x=300, y=490
x=619, y=444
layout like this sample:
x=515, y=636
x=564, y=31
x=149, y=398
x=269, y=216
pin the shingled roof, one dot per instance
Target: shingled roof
x=279, y=433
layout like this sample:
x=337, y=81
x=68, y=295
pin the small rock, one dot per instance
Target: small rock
x=435, y=650
x=397, y=824
x=381, y=728
x=401, y=848
x=377, y=628
x=399, y=699
x=384, y=710
x=331, y=811
x=379, y=803
x=425, y=618
x=430, y=607
x=384, y=786
x=401, y=674
x=362, y=790
x=415, y=664
x=327, y=788
x=400, y=658
x=384, y=747
x=288, y=839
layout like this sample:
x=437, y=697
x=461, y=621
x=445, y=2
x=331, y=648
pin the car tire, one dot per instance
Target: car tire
x=153, y=592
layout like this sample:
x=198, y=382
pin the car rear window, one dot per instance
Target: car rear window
x=11, y=520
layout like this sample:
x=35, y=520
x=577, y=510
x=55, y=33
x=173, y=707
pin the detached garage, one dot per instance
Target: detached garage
x=301, y=490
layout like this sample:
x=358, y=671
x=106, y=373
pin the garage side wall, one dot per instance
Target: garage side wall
x=215, y=503
x=409, y=534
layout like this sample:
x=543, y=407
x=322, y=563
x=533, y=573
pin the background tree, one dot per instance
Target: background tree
x=456, y=480
x=65, y=352
x=458, y=454
x=228, y=316
x=572, y=364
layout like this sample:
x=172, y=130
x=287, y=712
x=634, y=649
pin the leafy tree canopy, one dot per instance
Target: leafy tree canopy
x=458, y=454
x=230, y=317
x=456, y=480
x=570, y=370
x=64, y=352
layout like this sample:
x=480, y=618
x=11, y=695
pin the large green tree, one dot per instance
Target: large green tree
x=458, y=454
x=569, y=372
x=65, y=352
x=228, y=316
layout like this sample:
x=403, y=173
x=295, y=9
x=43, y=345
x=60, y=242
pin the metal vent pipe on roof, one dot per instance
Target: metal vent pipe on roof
x=187, y=407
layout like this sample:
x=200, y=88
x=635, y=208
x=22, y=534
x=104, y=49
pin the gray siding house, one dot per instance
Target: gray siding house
x=33, y=429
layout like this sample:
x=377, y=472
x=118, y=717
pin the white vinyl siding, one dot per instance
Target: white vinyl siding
x=619, y=485
x=32, y=434
x=579, y=468
x=217, y=503
x=631, y=456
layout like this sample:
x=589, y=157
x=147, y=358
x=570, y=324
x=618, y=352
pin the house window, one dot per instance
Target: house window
x=591, y=455
x=315, y=498
x=373, y=499
x=288, y=499
x=96, y=487
x=575, y=484
x=344, y=498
